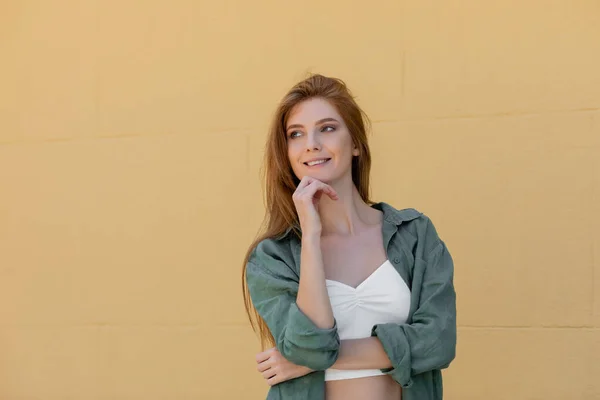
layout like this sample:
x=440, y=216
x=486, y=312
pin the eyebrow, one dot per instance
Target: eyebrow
x=318, y=122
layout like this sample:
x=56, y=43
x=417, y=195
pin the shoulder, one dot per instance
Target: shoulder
x=416, y=222
x=410, y=214
x=402, y=216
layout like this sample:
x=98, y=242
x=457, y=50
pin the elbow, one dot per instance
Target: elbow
x=448, y=357
x=448, y=353
x=306, y=345
x=316, y=359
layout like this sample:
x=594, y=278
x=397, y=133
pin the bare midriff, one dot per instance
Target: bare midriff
x=380, y=387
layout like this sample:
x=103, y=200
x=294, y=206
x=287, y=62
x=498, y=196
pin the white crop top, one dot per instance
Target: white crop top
x=382, y=298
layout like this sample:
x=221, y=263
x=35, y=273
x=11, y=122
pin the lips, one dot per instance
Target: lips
x=320, y=163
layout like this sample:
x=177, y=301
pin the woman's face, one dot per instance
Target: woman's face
x=315, y=131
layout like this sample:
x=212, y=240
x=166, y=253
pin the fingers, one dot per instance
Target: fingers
x=268, y=374
x=260, y=357
x=263, y=366
x=308, y=186
x=316, y=185
x=267, y=366
x=304, y=182
x=274, y=380
x=264, y=359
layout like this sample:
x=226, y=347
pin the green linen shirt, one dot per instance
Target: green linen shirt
x=417, y=349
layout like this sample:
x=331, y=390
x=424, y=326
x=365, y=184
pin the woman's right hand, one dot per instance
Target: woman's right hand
x=306, y=199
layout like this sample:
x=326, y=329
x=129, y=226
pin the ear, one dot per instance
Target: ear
x=355, y=151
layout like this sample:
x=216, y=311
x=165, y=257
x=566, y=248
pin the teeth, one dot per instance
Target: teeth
x=316, y=162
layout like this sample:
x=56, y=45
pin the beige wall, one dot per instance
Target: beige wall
x=131, y=135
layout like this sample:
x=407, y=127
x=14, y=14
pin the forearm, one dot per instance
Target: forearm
x=313, y=299
x=365, y=353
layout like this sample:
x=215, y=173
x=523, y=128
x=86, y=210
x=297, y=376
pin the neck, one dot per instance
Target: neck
x=347, y=216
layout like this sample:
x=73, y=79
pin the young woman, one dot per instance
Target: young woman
x=352, y=299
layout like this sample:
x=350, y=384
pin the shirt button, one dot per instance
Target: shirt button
x=396, y=260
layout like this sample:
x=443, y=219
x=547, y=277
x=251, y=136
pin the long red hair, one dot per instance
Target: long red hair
x=280, y=181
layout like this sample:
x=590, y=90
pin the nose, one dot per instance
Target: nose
x=312, y=142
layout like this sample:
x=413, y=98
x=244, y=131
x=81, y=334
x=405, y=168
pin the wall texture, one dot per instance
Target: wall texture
x=131, y=136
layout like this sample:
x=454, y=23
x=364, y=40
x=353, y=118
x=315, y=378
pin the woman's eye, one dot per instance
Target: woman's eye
x=293, y=133
x=328, y=128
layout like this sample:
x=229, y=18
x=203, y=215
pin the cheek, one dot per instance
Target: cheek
x=342, y=148
x=293, y=160
x=293, y=152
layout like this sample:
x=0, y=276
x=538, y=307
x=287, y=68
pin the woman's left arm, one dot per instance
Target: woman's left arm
x=428, y=343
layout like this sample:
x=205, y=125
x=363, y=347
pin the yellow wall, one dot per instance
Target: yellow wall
x=131, y=135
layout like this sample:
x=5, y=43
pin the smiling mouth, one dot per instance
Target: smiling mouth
x=318, y=164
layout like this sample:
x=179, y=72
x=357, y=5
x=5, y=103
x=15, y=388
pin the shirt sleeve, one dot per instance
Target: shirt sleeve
x=429, y=341
x=273, y=288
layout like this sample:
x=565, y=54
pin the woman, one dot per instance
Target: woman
x=354, y=298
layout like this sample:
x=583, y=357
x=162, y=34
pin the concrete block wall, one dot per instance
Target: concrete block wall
x=131, y=136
